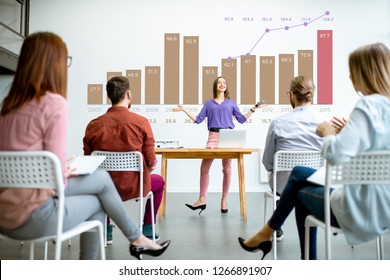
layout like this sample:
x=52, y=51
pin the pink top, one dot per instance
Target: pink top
x=33, y=127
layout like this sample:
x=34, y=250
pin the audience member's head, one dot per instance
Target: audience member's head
x=301, y=91
x=117, y=87
x=369, y=68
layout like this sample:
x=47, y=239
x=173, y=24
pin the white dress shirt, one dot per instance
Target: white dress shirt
x=295, y=131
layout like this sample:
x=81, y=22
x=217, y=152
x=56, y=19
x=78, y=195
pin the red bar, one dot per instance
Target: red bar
x=324, y=67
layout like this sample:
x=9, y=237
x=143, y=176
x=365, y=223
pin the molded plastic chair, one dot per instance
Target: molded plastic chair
x=365, y=168
x=286, y=161
x=42, y=170
x=129, y=161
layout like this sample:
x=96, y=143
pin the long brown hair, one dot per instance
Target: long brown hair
x=42, y=67
x=369, y=68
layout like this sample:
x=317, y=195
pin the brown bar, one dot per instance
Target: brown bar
x=286, y=74
x=109, y=76
x=229, y=72
x=248, y=79
x=209, y=74
x=191, y=70
x=152, y=84
x=95, y=94
x=171, y=68
x=267, y=79
x=134, y=77
x=305, y=63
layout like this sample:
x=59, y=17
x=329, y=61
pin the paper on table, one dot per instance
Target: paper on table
x=318, y=177
x=83, y=165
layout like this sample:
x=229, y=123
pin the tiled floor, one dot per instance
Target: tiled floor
x=209, y=236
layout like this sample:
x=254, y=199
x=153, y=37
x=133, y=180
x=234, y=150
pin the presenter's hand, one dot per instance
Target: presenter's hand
x=261, y=104
x=178, y=109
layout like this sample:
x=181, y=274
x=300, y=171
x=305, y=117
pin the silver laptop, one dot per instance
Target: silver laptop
x=232, y=138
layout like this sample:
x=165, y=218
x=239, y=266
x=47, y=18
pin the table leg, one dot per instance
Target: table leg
x=241, y=182
x=162, y=209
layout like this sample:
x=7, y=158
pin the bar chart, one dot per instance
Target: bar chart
x=182, y=79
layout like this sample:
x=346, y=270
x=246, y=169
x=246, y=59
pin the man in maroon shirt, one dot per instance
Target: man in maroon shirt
x=120, y=130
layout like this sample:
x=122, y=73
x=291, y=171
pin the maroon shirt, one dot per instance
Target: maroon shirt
x=120, y=130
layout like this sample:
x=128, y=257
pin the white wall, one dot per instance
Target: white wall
x=117, y=35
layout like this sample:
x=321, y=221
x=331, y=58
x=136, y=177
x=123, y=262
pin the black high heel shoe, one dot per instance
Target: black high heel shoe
x=137, y=251
x=264, y=246
x=224, y=210
x=201, y=207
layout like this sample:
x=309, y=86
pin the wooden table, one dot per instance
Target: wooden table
x=196, y=153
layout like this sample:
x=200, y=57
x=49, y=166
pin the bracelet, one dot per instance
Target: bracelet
x=252, y=110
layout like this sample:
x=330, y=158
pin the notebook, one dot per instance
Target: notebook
x=83, y=165
x=231, y=138
x=318, y=177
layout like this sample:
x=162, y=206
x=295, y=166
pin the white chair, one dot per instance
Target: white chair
x=286, y=161
x=129, y=161
x=365, y=168
x=42, y=170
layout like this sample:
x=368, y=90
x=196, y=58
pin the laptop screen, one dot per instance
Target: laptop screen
x=231, y=138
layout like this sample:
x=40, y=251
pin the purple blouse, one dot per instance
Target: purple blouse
x=220, y=115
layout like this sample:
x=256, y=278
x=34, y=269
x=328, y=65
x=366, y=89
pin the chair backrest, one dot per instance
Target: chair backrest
x=364, y=168
x=34, y=169
x=287, y=160
x=121, y=161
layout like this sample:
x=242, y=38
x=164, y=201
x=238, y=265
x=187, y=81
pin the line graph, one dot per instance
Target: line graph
x=286, y=27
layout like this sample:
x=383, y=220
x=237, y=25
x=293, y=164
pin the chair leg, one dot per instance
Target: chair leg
x=151, y=198
x=105, y=231
x=45, y=250
x=307, y=239
x=102, y=241
x=141, y=212
x=380, y=248
x=58, y=247
x=31, y=250
x=275, y=247
x=265, y=206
